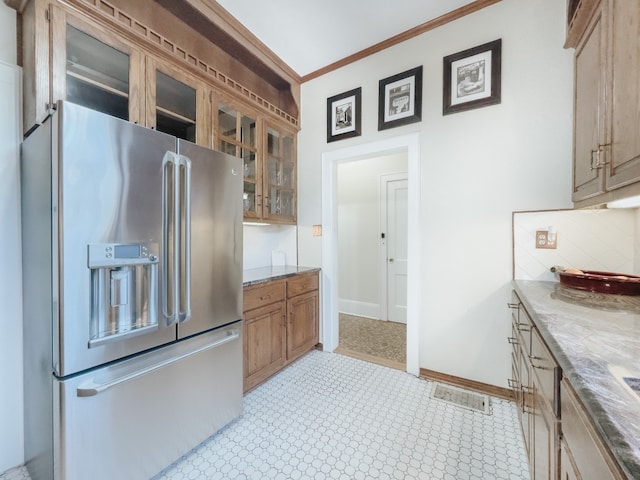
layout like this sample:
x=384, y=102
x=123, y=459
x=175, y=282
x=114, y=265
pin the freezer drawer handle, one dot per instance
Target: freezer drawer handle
x=92, y=390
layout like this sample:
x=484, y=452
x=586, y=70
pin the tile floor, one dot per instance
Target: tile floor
x=330, y=416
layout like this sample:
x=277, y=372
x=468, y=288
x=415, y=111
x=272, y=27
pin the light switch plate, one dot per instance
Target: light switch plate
x=317, y=230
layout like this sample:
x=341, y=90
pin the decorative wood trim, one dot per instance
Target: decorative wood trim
x=577, y=25
x=107, y=14
x=402, y=37
x=17, y=5
x=222, y=18
x=492, y=390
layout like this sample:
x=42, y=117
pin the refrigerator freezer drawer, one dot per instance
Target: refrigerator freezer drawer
x=132, y=419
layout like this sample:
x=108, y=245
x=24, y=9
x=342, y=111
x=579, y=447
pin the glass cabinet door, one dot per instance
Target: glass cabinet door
x=237, y=136
x=97, y=74
x=280, y=182
x=175, y=107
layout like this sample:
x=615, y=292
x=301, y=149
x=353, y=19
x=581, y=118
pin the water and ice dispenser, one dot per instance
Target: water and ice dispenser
x=124, y=291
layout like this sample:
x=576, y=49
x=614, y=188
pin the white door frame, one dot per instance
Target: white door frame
x=411, y=145
x=384, y=227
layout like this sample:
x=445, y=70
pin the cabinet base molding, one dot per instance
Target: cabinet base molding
x=491, y=390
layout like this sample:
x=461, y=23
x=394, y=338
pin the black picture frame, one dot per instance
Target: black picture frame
x=472, y=78
x=344, y=115
x=400, y=99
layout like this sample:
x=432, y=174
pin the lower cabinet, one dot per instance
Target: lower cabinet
x=538, y=383
x=560, y=440
x=281, y=321
x=583, y=454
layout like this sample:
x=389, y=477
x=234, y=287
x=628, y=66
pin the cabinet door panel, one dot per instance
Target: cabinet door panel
x=264, y=343
x=592, y=459
x=624, y=143
x=544, y=434
x=92, y=68
x=588, y=180
x=302, y=327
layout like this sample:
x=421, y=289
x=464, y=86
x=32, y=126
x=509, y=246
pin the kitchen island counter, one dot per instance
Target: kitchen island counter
x=254, y=276
x=589, y=342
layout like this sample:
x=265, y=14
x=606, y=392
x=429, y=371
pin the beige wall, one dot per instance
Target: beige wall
x=477, y=167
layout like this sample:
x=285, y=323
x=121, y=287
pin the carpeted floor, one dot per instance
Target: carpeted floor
x=385, y=340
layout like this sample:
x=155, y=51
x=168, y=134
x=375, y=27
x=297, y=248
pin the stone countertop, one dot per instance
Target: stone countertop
x=588, y=342
x=254, y=276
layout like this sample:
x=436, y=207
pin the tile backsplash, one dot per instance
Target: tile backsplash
x=604, y=240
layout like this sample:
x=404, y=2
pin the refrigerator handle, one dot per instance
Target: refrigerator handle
x=170, y=239
x=184, y=309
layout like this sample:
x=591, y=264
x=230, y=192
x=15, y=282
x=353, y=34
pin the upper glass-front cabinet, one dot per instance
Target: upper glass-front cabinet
x=237, y=136
x=174, y=102
x=175, y=107
x=280, y=181
x=97, y=74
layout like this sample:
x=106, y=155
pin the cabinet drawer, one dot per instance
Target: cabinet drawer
x=546, y=370
x=263, y=294
x=301, y=284
x=590, y=456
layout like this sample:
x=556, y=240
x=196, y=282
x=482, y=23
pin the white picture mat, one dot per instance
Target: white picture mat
x=410, y=84
x=464, y=62
x=343, y=104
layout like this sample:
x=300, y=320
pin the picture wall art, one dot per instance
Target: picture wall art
x=472, y=78
x=400, y=99
x=343, y=115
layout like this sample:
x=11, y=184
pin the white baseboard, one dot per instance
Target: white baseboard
x=361, y=309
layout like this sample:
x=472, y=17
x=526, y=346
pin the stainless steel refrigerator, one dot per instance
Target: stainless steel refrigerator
x=132, y=278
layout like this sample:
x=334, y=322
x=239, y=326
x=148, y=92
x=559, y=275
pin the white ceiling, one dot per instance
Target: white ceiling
x=311, y=34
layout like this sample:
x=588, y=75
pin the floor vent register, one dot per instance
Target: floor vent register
x=462, y=398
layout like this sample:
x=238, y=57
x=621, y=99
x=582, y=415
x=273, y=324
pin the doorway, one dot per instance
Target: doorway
x=330, y=298
x=372, y=237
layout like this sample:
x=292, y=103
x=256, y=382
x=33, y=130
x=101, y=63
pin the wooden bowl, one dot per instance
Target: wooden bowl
x=602, y=282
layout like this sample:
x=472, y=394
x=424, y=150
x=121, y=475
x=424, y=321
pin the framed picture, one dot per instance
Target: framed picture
x=343, y=115
x=400, y=99
x=472, y=78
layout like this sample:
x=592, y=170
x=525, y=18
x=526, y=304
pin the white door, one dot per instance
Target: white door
x=395, y=239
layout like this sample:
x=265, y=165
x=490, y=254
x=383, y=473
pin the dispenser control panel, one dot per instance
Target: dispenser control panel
x=119, y=254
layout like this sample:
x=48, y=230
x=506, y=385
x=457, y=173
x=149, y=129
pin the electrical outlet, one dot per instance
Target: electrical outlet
x=542, y=239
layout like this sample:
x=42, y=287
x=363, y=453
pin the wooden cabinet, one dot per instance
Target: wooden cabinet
x=583, y=454
x=143, y=62
x=302, y=311
x=265, y=331
x=281, y=323
x=269, y=161
x=90, y=67
x=559, y=437
x=607, y=99
x=177, y=103
x=279, y=173
x=538, y=396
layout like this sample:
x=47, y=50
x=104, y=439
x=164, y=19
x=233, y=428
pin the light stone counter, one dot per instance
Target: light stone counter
x=587, y=342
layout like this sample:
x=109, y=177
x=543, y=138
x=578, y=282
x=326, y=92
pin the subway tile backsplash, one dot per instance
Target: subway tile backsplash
x=604, y=240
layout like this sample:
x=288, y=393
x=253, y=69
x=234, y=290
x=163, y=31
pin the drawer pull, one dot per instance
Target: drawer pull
x=523, y=327
x=513, y=305
x=265, y=297
x=513, y=340
x=533, y=358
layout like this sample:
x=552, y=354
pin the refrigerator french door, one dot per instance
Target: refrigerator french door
x=132, y=270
